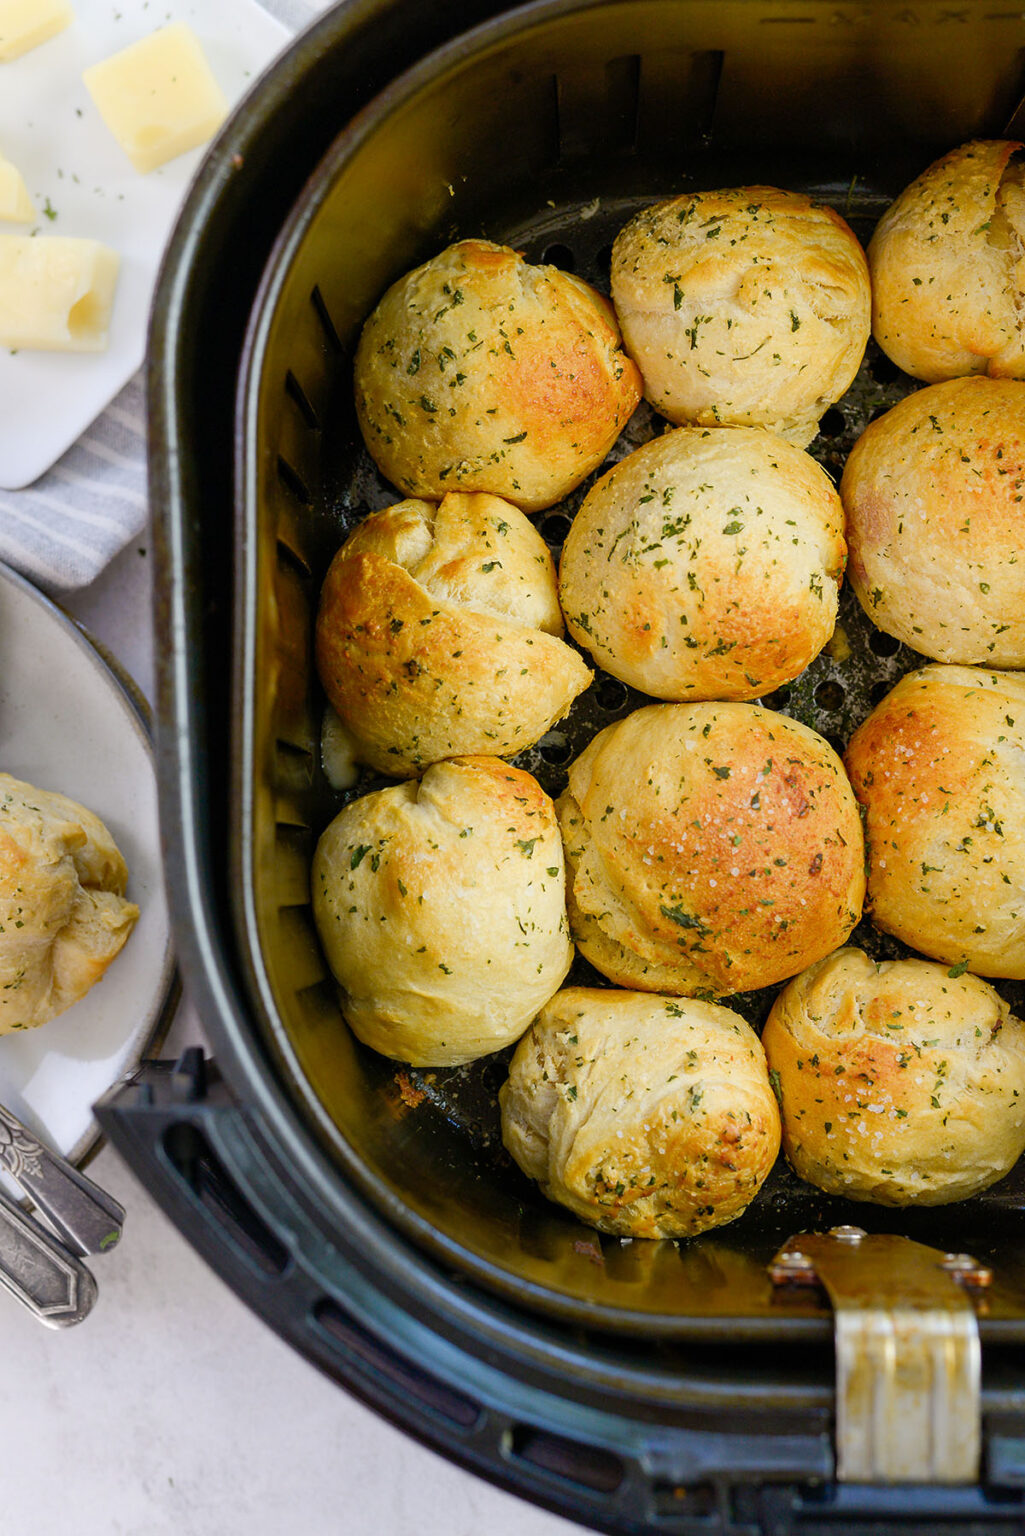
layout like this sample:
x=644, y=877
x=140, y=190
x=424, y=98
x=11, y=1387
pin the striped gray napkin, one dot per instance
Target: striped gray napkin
x=65, y=528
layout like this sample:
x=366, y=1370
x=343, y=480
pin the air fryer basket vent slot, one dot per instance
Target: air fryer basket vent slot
x=586, y=1465
x=326, y=323
x=302, y=400
x=193, y=1158
x=293, y=481
x=411, y=1381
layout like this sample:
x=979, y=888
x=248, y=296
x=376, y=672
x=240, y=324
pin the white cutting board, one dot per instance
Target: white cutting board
x=72, y=165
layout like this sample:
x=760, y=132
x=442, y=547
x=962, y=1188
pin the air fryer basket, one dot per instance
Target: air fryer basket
x=634, y=1387
x=547, y=132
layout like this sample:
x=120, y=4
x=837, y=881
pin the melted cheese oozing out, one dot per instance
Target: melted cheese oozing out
x=56, y=294
x=24, y=24
x=158, y=97
x=337, y=752
x=15, y=204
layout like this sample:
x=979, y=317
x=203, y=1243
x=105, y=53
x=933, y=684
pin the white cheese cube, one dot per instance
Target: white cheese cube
x=158, y=97
x=55, y=293
x=24, y=24
x=15, y=203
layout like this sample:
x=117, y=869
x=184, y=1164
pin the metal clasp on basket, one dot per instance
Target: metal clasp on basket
x=908, y=1360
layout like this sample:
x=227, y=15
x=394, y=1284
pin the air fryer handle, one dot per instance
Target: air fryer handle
x=194, y=1147
x=178, y=1125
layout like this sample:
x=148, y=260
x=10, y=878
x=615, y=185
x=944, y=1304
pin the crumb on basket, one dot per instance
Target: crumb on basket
x=410, y=1096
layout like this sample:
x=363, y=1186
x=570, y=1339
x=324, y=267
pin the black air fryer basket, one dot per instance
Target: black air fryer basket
x=368, y=1214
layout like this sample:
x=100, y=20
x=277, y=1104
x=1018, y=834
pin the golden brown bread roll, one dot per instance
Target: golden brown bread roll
x=478, y=372
x=939, y=769
x=899, y=1083
x=438, y=631
x=745, y=306
x=932, y=492
x=645, y=1116
x=441, y=909
x=948, y=281
x=706, y=565
x=711, y=849
x=63, y=916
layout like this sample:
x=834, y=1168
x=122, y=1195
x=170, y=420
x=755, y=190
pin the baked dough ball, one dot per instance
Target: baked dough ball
x=711, y=848
x=948, y=280
x=898, y=1083
x=438, y=634
x=939, y=768
x=63, y=916
x=706, y=565
x=932, y=492
x=441, y=909
x=477, y=372
x=747, y=306
x=647, y=1117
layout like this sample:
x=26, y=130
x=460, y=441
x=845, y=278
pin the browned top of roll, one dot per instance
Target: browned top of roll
x=711, y=848
x=706, y=564
x=947, y=276
x=425, y=641
x=933, y=495
x=479, y=372
x=939, y=767
x=742, y=305
x=899, y=1082
x=645, y=1116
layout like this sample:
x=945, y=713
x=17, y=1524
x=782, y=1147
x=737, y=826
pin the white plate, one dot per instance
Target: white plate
x=53, y=133
x=67, y=723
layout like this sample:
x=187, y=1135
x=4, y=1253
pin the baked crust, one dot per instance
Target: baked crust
x=63, y=916
x=932, y=492
x=948, y=279
x=441, y=909
x=438, y=634
x=479, y=372
x=899, y=1083
x=747, y=306
x=706, y=565
x=646, y=1116
x=939, y=769
x=711, y=849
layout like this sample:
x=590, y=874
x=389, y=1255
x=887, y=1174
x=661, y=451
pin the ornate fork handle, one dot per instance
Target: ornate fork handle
x=84, y=1215
x=51, y=1282
x=19, y=1150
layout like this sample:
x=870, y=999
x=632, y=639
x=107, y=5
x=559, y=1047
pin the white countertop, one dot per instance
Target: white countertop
x=174, y=1411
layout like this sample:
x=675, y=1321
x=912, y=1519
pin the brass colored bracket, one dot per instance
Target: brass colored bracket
x=908, y=1361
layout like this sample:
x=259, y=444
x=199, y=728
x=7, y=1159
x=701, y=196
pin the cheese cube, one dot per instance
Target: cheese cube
x=55, y=293
x=24, y=24
x=15, y=203
x=158, y=97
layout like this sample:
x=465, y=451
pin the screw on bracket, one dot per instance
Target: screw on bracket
x=848, y=1234
x=967, y=1270
x=791, y=1267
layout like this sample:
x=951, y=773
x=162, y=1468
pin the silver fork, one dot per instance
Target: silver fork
x=39, y=1271
x=46, y=1275
x=81, y=1213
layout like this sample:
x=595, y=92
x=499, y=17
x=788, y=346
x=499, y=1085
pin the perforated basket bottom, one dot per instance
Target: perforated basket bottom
x=833, y=696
